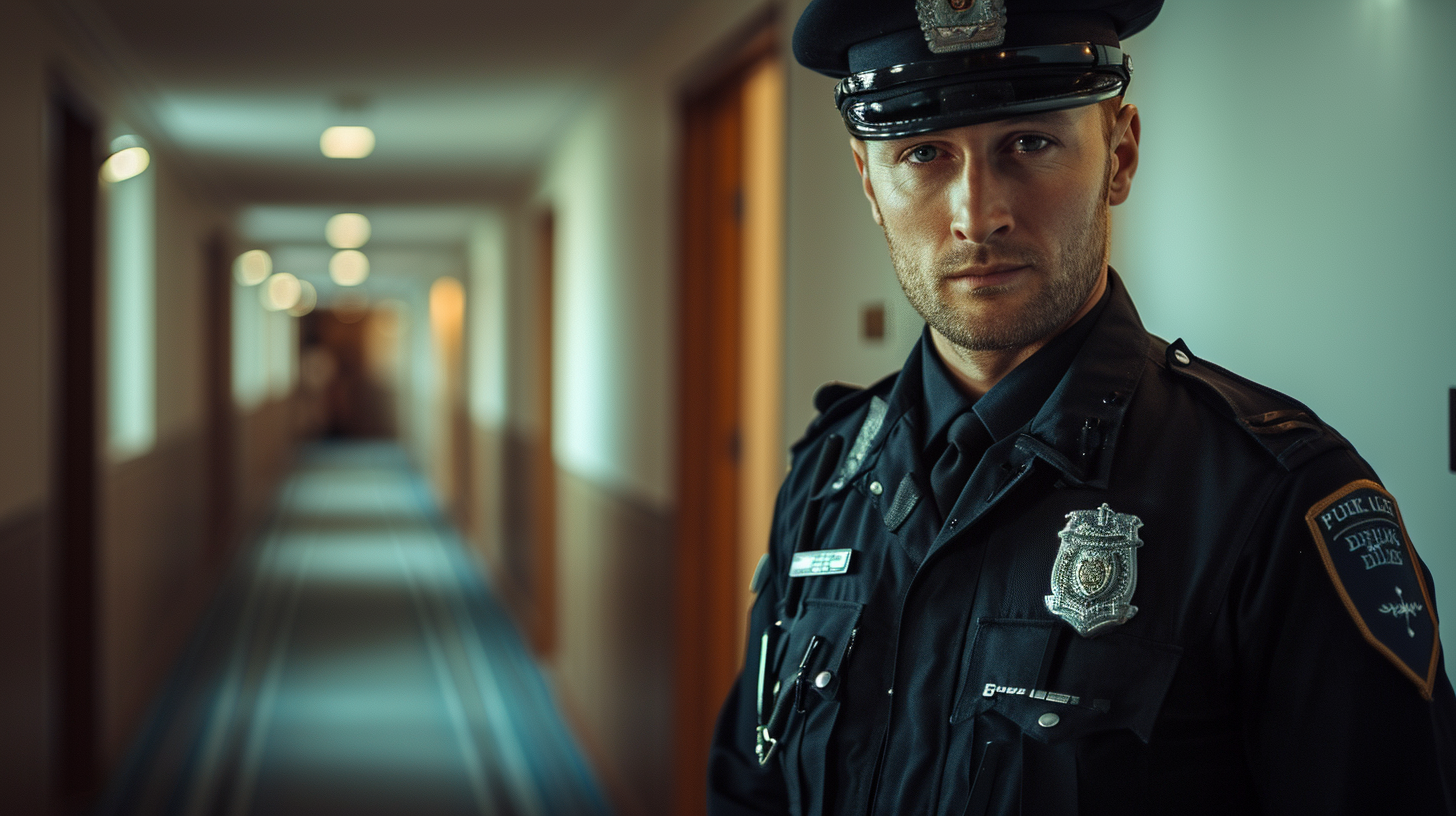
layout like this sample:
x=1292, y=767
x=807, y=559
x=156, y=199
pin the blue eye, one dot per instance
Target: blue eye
x=923, y=154
x=1030, y=144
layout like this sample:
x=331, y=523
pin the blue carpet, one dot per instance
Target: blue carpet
x=355, y=663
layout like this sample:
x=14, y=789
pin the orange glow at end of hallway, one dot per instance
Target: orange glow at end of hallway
x=447, y=307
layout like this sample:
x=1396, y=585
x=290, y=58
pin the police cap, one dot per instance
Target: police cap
x=913, y=66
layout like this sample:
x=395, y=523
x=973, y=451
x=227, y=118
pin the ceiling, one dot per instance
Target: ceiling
x=466, y=97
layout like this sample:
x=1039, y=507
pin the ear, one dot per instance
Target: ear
x=1126, y=131
x=861, y=163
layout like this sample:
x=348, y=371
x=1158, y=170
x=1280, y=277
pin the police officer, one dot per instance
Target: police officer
x=1057, y=565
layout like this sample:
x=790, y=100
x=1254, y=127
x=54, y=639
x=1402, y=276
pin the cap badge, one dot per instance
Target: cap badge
x=961, y=25
x=1096, y=570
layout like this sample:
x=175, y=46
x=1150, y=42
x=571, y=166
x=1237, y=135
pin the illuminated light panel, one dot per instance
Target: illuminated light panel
x=253, y=267
x=347, y=231
x=347, y=142
x=125, y=163
x=307, y=299
x=280, y=292
x=349, y=267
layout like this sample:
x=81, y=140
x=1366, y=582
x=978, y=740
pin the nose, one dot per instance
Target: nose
x=979, y=206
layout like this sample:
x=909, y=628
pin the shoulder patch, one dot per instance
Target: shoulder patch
x=1369, y=557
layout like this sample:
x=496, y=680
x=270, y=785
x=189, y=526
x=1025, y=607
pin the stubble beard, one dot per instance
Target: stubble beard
x=1069, y=282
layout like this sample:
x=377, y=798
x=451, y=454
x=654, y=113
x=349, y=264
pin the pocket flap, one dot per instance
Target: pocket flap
x=833, y=623
x=1113, y=681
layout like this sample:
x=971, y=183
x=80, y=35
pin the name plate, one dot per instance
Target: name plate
x=820, y=562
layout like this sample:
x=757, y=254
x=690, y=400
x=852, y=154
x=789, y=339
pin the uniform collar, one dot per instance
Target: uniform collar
x=1012, y=402
x=1076, y=429
x=1066, y=401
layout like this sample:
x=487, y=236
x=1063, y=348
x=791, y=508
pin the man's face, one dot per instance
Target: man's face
x=999, y=232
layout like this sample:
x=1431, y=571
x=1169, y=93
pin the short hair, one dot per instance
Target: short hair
x=1110, y=109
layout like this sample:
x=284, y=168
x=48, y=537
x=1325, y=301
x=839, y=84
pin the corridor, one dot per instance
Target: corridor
x=354, y=663
x=394, y=396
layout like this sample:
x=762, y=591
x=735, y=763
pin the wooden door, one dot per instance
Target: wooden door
x=74, y=490
x=724, y=378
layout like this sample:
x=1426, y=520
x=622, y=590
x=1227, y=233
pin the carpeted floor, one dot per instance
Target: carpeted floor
x=355, y=664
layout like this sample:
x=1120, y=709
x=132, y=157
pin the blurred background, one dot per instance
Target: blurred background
x=578, y=267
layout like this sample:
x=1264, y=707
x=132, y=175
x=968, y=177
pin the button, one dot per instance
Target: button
x=1048, y=720
x=822, y=679
x=1182, y=357
x=876, y=488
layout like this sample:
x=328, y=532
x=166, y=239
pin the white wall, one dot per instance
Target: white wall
x=836, y=262
x=612, y=184
x=1291, y=219
x=487, y=320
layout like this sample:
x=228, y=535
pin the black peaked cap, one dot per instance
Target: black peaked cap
x=828, y=29
x=908, y=67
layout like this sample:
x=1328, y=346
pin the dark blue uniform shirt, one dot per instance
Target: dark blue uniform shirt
x=1267, y=642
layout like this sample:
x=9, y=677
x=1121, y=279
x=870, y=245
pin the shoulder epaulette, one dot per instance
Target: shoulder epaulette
x=832, y=392
x=837, y=400
x=1281, y=424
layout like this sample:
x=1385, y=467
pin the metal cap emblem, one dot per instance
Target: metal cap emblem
x=961, y=25
x=1096, y=570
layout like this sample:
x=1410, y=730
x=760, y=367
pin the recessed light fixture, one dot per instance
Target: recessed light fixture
x=125, y=163
x=253, y=267
x=347, y=231
x=281, y=292
x=307, y=299
x=349, y=267
x=347, y=142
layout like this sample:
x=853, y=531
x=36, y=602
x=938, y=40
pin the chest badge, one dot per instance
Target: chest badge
x=1096, y=570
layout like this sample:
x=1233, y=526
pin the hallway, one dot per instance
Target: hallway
x=355, y=663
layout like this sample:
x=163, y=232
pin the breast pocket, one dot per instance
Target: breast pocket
x=1032, y=691
x=818, y=645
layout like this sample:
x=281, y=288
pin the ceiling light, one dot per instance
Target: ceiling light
x=307, y=299
x=348, y=267
x=281, y=292
x=253, y=267
x=347, y=231
x=347, y=142
x=125, y=163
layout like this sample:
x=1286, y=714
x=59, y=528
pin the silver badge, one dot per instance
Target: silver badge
x=1096, y=570
x=960, y=25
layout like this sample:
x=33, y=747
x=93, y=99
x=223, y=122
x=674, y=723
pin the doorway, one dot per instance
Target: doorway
x=74, y=441
x=730, y=448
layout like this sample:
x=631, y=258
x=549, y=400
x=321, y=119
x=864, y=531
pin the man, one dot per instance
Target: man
x=1056, y=565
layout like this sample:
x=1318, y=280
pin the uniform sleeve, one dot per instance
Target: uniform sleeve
x=737, y=784
x=1331, y=723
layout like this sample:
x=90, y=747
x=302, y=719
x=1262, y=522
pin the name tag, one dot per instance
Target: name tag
x=820, y=562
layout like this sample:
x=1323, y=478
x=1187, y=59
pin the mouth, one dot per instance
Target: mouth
x=977, y=277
